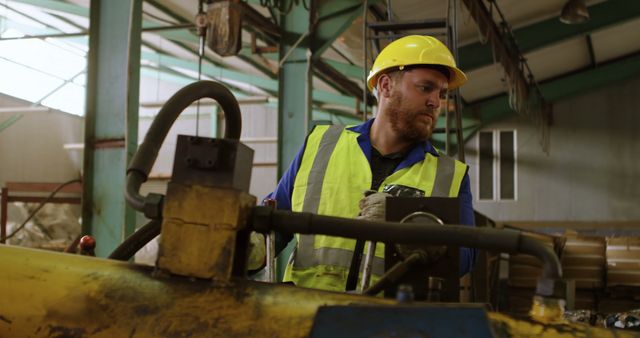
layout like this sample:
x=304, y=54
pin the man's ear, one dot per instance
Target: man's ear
x=385, y=85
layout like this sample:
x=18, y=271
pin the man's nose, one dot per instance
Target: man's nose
x=433, y=101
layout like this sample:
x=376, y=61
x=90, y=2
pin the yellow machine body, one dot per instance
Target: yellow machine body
x=46, y=294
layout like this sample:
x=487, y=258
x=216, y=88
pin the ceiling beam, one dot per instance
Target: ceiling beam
x=270, y=85
x=319, y=96
x=328, y=28
x=560, y=88
x=191, y=37
x=337, y=79
x=59, y=6
x=550, y=31
x=333, y=18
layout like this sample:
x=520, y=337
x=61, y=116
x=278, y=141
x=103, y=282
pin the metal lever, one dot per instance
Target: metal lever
x=270, y=238
x=368, y=266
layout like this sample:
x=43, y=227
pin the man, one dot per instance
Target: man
x=336, y=164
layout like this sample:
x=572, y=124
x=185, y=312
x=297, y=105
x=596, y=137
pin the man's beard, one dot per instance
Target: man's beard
x=403, y=121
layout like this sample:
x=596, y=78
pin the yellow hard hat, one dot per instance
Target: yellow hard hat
x=416, y=50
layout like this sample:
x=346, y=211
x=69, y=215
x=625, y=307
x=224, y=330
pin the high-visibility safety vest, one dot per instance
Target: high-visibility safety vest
x=333, y=174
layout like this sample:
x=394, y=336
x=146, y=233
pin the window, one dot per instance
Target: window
x=48, y=71
x=497, y=168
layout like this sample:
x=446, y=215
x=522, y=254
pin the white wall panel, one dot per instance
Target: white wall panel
x=32, y=149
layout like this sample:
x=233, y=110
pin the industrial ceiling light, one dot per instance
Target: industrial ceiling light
x=574, y=11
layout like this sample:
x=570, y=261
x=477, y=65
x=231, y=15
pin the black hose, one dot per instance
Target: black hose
x=147, y=153
x=501, y=240
x=136, y=241
x=551, y=265
x=132, y=190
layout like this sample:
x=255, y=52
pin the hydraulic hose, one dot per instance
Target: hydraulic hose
x=550, y=263
x=501, y=240
x=136, y=241
x=147, y=153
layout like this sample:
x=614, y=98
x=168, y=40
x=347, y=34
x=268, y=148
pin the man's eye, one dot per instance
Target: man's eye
x=425, y=89
x=443, y=96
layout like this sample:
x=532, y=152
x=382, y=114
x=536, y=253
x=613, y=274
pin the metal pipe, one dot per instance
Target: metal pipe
x=365, y=8
x=85, y=33
x=24, y=109
x=368, y=265
x=456, y=92
x=271, y=257
x=241, y=101
x=393, y=275
x=147, y=153
x=502, y=240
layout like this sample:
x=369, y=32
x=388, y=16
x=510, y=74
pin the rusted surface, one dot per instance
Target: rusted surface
x=109, y=143
x=66, y=332
x=79, y=296
x=200, y=242
x=504, y=326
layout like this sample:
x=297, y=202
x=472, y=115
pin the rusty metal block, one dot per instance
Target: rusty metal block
x=200, y=230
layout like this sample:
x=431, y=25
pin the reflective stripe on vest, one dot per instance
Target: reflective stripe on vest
x=306, y=254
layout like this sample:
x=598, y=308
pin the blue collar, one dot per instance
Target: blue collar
x=415, y=155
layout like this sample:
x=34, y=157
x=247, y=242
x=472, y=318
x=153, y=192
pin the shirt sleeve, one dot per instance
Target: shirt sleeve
x=467, y=255
x=284, y=190
x=282, y=194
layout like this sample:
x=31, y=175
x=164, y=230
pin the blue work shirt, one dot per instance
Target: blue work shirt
x=284, y=190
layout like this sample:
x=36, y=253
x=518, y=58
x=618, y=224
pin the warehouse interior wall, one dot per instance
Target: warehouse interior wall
x=591, y=172
x=259, y=132
x=32, y=148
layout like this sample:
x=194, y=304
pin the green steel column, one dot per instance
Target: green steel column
x=111, y=121
x=294, y=92
x=294, y=95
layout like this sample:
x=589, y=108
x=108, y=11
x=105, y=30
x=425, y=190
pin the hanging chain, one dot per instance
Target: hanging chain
x=201, y=24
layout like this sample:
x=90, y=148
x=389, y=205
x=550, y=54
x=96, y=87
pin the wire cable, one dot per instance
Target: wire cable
x=156, y=17
x=47, y=200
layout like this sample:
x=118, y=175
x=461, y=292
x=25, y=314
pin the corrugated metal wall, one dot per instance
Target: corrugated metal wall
x=593, y=170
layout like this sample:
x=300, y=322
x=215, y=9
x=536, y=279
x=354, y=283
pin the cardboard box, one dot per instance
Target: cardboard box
x=577, y=246
x=585, y=277
x=524, y=276
x=623, y=261
x=613, y=305
x=524, y=270
x=583, y=261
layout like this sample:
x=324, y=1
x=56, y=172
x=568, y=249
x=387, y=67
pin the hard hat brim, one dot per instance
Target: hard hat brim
x=457, y=77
